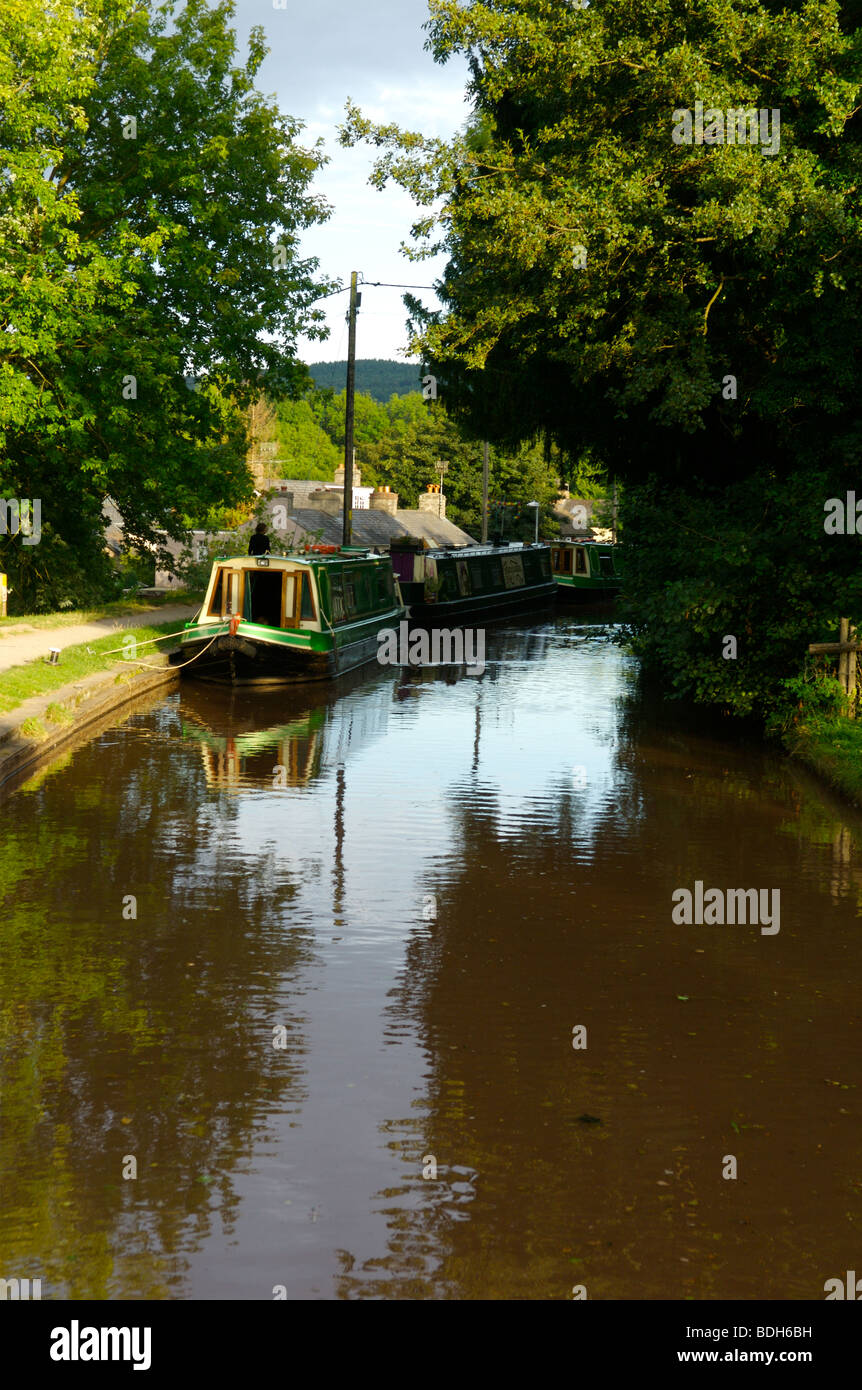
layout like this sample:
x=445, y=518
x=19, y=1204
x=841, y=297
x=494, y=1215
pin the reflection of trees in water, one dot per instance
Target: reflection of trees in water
x=500, y=1115
x=151, y=1037
x=528, y=943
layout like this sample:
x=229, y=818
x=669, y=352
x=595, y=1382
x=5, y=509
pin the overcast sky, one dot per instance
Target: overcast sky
x=372, y=51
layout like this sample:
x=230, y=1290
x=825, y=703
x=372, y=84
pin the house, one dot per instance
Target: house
x=308, y=511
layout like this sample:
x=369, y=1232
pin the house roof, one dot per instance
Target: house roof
x=379, y=528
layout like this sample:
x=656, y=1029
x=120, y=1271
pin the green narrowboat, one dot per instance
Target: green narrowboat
x=271, y=620
x=585, y=571
x=459, y=584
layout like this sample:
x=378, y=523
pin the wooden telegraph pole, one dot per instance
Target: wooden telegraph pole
x=485, y=493
x=347, y=522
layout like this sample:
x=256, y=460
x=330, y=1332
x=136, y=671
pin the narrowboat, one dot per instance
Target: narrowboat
x=271, y=620
x=585, y=571
x=458, y=584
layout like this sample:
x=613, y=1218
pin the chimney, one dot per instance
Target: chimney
x=339, y=475
x=383, y=499
x=283, y=498
x=327, y=500
x=433, y=500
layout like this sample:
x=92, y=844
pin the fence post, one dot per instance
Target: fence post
x=842, y=656
x=851, y=674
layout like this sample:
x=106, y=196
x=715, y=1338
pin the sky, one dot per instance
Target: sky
x=371, y=51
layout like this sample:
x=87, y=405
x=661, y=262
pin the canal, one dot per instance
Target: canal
x=376, y=992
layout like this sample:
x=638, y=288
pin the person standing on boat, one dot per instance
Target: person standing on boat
x=259, y=543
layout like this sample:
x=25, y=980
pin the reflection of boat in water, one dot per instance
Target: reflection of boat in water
x=270, y=739
x=269, y=620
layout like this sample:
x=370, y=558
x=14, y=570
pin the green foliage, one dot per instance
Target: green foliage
x=146, y=283
x=700, y=263
x=375, y=377
x=307, y=449
x=703, y=563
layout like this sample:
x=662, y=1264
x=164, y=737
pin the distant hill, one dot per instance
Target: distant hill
x=374, y=375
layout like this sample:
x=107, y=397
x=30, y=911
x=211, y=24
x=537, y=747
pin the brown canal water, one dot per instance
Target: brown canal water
x=314, y=963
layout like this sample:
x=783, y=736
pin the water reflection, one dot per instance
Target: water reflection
x=420, y=885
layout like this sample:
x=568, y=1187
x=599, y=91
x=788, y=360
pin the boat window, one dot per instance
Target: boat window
x=231, y=593
x=337, y=591
x=566, y=557
x=606, y=566
x=290, y=597
x=306, y=607
x=215, y=601
x=556, y=561
x=580, y=561
x=350, y=596
x=545, y=565
x=385, y=591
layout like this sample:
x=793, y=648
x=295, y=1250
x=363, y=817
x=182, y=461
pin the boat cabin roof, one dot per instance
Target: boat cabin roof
x=279, y=561
x=573, y=540
x=463, y=552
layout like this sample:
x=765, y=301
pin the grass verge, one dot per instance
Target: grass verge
x=833, y=749
x=21, y=683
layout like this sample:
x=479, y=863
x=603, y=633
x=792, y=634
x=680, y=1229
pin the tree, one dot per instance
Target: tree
x=604, y=281
x=304, y=444
x=684, y=311
x=152, y=203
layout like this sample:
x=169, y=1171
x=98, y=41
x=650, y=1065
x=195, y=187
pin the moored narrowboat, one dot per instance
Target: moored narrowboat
x=268, y=620
x=459, y=584
x=585, y=571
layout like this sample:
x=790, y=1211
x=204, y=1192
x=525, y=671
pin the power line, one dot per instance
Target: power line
x=374, y=284
x=387, y=286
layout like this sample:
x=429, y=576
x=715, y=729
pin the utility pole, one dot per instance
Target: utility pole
x=485, y=493
x=347, y=523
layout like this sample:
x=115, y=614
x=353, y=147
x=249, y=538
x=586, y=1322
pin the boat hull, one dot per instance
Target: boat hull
x=461, y=611
x=246, y=659
x=589, y=591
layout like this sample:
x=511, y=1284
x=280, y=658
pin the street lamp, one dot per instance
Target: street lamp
x=536, y=505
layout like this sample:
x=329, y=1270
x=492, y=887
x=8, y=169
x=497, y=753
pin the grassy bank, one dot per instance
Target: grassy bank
x=21, y=683
x=833, y=749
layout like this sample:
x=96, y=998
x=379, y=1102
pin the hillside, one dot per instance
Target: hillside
x=377, y=376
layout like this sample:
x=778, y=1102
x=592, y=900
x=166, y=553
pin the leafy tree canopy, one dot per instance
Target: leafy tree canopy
x=604, y=281
x=151, y=204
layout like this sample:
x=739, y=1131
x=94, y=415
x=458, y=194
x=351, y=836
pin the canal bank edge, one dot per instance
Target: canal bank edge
x=79, y=705
x=834, y=752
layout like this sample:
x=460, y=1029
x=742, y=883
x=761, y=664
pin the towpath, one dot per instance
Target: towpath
x=21, y=642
